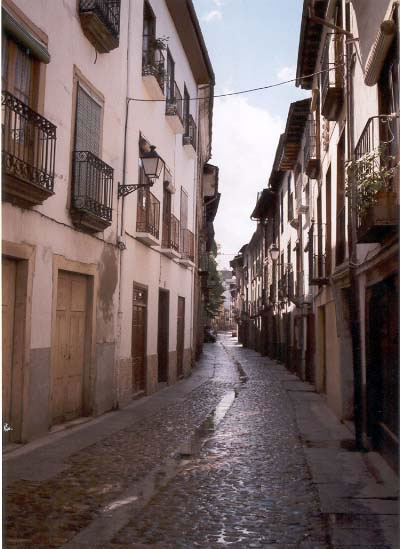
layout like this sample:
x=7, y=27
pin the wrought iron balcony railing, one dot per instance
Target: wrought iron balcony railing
x=170, y=233
x=153, y=63
x=148, y=213
x=92, y=185
x=311, y=149
x=108, y=11
x=174, y=105
x=28, y=147
x=376, y=154
x=204, y=260
x=187, y=244
x=100, y=21
x=190, y=135
x=332, y=76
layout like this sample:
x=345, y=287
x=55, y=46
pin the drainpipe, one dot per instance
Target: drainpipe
x=352, y=240
x=122, y=228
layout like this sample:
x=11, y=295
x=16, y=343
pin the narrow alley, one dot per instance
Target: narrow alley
x=241, y=453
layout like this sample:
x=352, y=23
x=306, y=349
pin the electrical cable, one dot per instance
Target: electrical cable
x=244, y=91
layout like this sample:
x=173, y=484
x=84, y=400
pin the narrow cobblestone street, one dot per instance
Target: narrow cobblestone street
x=216, y=460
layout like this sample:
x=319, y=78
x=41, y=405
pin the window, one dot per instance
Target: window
x=19, y=72
x=170, y=77
x=29, y=140
x=328, y=221
x=92, y=178
x=281, y=203
x=186, y=109
x=149, y=28
x=88, y=123
x=184, y=209
x=289, y=197
x=340, y=202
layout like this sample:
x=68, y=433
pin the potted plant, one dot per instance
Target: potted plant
x=375, y=201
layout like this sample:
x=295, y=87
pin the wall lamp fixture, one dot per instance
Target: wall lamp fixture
x=152, y=164
x=274, y=252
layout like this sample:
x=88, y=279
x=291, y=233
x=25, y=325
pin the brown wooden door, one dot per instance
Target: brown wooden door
x=180, y=340
x=163, y=335
x=68, y=366
x=139, y=323
x=9, y=270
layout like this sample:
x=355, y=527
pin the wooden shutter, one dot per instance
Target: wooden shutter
x=88, y=123
x=184, y=209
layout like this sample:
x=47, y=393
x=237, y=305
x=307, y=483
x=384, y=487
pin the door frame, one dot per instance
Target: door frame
x=60, y=263
x=24, y=254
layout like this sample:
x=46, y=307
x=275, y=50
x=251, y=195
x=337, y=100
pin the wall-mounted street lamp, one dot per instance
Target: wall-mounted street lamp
x=274, y=253
x=152, y=164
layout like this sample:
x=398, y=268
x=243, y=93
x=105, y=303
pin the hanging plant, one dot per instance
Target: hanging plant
x=372, y=173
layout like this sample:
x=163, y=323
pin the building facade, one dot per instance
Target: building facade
x=100, y=261
x=329, y=220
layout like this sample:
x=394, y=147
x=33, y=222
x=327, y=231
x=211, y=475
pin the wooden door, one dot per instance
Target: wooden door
x=9, y=271
x=383, y=368
x=180, y=340
x=69, y=362
x=163, y=335
x=139, y=323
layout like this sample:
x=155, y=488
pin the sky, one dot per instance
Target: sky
x=251, y=43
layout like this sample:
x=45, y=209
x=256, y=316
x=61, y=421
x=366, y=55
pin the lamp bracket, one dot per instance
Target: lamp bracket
x=124, y=190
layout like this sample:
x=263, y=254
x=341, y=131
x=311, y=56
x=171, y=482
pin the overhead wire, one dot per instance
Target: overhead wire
x=229, y=94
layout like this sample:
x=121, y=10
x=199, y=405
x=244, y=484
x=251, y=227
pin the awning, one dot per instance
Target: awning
x=12, y=27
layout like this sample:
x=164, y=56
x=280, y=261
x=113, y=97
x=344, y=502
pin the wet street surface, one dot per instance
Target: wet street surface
x=220, y=465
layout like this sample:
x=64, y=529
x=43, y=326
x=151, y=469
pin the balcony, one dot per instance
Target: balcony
x=311, y=149
x=153, y=70
x=170, y=237
x=316, y=255
x=92, y=192
x=204, y=260
x=148, y=218
x=292, y=217
x=100, y=23
x=332, y=80
x=375, y=169
x=174, y=109
x=28, y=153
x=187, y=248
x=190, y=136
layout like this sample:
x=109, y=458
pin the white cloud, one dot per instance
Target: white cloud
x=286, y=73
x=219, y=2
x=213, y=15
x=244, y=144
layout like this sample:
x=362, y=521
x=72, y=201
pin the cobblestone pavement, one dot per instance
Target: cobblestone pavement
x=222, y=467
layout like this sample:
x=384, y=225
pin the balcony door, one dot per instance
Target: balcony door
x=87, y=140
x=19, y=78
x=139, y=326
x=19, y=71
x=163, y=335
x=170, y=77
x=180, y=341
